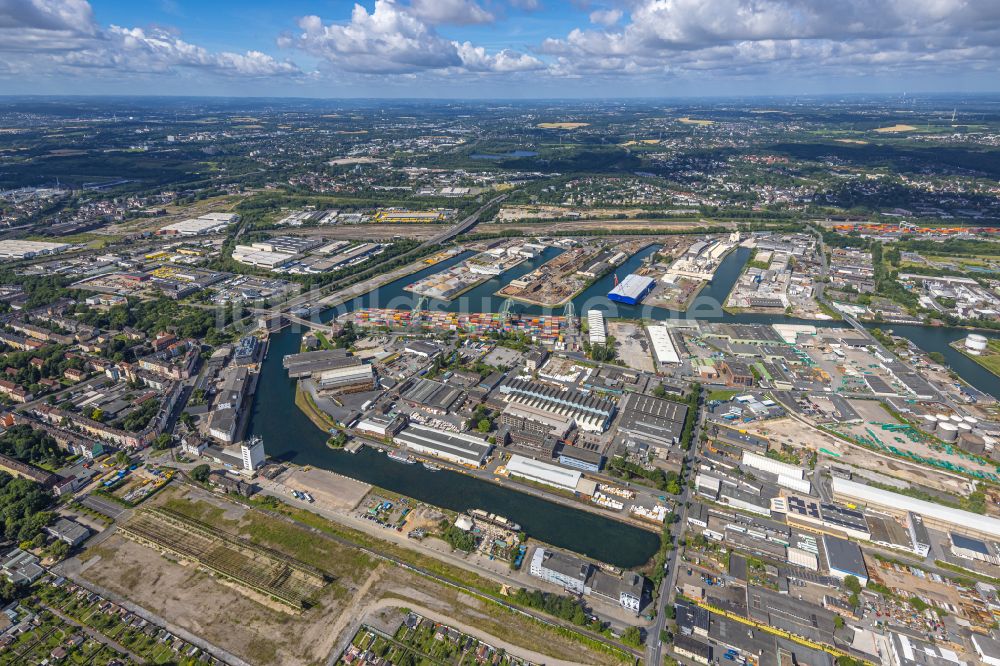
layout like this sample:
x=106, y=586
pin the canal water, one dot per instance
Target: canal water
x=289, y=436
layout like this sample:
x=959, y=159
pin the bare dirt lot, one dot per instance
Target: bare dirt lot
x=222, y=614
x=329, y=489
x=633, y=345
x=793, y=433
x=262, y=632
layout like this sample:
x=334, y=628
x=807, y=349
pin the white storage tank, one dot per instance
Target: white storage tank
x=955, y=418
x=943, y=417
x=976, y=344
x=963, y=427
x=948, y=432
x=971, y=420
x=929, y=422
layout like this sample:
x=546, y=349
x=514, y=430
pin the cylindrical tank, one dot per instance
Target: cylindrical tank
x=948, y=432
x=955, y=418
x=975, y=343
x=963, y=427
x=943, y=417
x=971, y=420
x=930, y=421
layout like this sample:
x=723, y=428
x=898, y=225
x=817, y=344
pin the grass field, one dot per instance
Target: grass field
x=696, y=121
x=562, y=125
x=989, y=359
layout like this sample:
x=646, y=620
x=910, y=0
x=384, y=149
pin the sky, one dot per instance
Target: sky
x=498, y=48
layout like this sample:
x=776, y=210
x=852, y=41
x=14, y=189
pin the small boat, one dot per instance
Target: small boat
x=399, y=456
x=431, y=467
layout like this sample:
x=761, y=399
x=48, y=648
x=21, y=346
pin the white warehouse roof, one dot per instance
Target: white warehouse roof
x=534, y=470
x=598, y=333
x=663, y=346
x=884, y=498
x=773, y=466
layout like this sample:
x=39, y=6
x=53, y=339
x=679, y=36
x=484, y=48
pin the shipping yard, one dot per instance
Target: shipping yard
x=459, y=279
x=560, y=279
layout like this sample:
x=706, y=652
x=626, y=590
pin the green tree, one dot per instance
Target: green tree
x=853, y=584
x=484, y=425
x=200, y=473
x=59, y=550
x=632, y=637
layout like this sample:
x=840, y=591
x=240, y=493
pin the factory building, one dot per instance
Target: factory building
x=826, y=517
x=546, y=473
x=348, y=379
x=653, y=420
x=25, y=249
x=451, y=446
x=381, y=426
x=252, y=454
x=534, y=429
x=580, y=458
x=532, y=419
x=664, y=348
x=307, y=364
x=206, y=224
x=564, y=570
x=68, y=531
x=589, y=412
x=934, y=515
x=432, y=396
x=583, y=578
x=632, y=289
x=844, y=558
x=596, y=327
x=972, y=549
x=222, y=423
x=423, y=349
x=776, y=467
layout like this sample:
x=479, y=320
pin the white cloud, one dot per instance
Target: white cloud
x=476, y=59
x=455, y=12
x=605, y=17
x=739, y=37
x=393, y=39
x=62, y=34
x=45, y=25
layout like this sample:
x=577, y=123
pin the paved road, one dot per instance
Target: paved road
x=654, y=648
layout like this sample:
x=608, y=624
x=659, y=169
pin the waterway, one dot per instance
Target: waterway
x=290, y=436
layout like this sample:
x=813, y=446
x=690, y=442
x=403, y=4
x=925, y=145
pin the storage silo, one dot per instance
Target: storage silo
x=976, y=344
x=947, y=431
